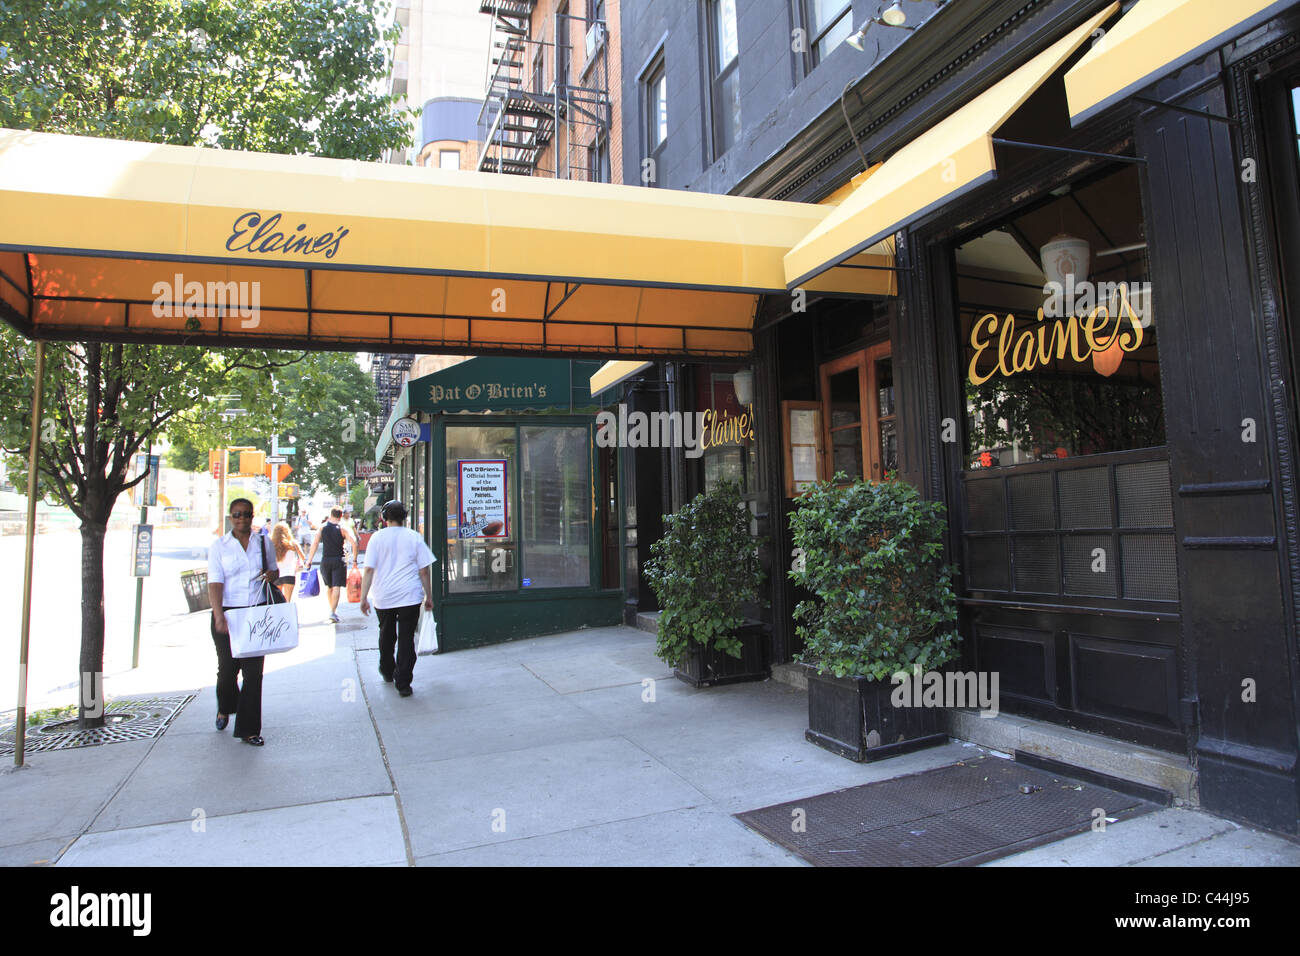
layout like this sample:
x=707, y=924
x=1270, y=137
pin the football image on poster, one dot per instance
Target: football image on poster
x=481, y=496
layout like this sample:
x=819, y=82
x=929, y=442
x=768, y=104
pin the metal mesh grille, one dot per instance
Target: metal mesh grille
x=1150, y=568
x=1085, y=498
x=986, y=505
x=135, y=719
x=968, y=813
x=1144, y=496
x=1080, y=576
x=1037, y=565
x=1031, y=502
x=986, y=563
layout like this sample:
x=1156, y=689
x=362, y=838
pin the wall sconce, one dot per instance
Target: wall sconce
x=743, y=384
x=892, y=16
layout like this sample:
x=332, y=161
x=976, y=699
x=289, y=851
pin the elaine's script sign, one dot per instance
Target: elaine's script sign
x=1004, y=346
x=257, y=232
x=481, y=494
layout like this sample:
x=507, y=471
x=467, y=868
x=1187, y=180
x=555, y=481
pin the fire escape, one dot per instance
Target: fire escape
x=389, y=370
x=532, y=100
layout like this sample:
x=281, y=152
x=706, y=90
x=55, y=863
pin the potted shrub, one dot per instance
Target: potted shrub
x=872, y=553
x=704, y=570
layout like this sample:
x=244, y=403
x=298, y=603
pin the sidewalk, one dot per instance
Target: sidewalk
x=577, y=749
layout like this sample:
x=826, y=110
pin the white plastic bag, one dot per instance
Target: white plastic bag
x=264, y=629
x=426, y=637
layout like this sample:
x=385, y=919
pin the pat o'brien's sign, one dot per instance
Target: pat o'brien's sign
x=1003, y=347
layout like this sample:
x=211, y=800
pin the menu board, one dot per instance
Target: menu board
x=481, y=496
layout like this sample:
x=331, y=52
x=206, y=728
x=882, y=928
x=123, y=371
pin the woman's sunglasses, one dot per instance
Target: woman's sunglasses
x=241, y=514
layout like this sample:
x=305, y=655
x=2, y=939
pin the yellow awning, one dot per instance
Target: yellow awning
x=947, y=160
x=119, y=240
x=1152, y=40
x=611, y=373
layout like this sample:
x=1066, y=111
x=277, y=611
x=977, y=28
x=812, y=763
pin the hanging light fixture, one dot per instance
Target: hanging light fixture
x=743, y=384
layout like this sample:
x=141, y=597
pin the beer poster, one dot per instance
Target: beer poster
x=481, y=498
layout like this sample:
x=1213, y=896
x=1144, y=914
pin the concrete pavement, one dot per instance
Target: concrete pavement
x=576, y=749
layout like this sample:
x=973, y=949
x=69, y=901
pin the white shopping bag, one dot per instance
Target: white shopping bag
x=264, y=629
x=426, y=638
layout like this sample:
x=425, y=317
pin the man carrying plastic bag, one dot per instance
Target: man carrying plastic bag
x=398, y=574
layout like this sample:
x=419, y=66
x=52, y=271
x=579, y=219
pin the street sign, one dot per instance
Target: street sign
x=141, y=549
x=286, y=451
x=146, y=493
x=276, y=459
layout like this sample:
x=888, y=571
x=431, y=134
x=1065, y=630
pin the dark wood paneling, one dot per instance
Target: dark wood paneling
x=1214, y=377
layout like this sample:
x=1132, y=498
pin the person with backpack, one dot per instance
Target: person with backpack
x=333, y=571
x=398, y=575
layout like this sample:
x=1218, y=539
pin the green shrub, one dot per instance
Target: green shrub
x=873, y=556
x=704, y=570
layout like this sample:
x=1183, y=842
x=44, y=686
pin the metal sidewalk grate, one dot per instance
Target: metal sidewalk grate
x=971, y=812
x=125, y=719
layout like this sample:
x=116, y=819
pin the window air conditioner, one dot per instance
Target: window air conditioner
x=595, y=37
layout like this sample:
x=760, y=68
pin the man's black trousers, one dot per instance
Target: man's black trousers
x=397, y=627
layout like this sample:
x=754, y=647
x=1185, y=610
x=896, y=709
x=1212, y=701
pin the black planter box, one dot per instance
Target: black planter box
x=704, y=668
x=854, y=717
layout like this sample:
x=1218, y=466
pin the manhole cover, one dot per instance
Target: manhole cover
x=124, y=719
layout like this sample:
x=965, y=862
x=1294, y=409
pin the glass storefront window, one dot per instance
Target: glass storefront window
x=486, y=563
x=732, y=453
x=1059, y=332
x=556, y=506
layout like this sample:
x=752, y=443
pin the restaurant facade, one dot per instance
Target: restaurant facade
x=1086, y=357
x=498, y=461
x=1036, y=258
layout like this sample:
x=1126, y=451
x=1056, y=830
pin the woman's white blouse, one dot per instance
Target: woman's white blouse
x=238, y=569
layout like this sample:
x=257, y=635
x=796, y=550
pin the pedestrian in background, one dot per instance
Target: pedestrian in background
x=305, y=529
x=398, y=574
x=288, y=558
x=333, y=572
x=239, y=576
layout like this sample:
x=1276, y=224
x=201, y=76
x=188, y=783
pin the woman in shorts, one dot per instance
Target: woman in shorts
x=288, y=557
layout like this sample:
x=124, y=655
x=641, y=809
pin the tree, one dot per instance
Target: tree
x=290, y=76
x=322, y=403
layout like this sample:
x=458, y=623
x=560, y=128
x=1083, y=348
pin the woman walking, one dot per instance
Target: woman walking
x=241, y=569
x=288, y=558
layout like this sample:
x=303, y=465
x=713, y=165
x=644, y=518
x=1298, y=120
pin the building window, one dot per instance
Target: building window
x=562, y=30
x=829, y=23
x=449, y=159
x=724, y=63
x=654, y=109
x=595, y=12
x=598, y=161
x=556, y=505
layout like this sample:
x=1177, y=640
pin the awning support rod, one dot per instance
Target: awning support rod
x=38, y=396
x=1064, y=149
x=1203, y=114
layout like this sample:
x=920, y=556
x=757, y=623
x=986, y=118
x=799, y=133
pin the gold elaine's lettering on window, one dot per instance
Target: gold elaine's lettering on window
x=1095, y=336
x=718, y=430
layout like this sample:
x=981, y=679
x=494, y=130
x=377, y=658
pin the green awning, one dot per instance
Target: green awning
x=401, y=409
x=505, y=384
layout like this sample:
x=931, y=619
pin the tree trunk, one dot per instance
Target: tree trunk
x=91, y=700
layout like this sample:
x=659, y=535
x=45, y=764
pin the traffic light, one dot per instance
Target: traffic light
x=343, y=482
x=214, y=463
x=252, y=462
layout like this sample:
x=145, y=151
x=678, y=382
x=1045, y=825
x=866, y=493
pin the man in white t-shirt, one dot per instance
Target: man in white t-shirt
x=398, y=574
